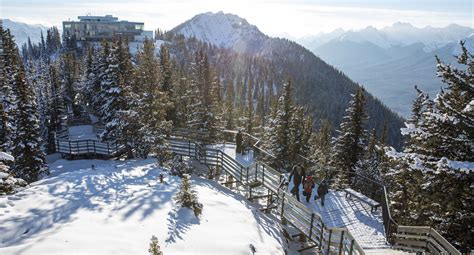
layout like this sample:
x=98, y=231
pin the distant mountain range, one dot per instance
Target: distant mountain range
x=390, y=61
x=21, y=31
x=322, y=89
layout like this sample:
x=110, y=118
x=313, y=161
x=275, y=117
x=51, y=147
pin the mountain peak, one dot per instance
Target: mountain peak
x=221, y=29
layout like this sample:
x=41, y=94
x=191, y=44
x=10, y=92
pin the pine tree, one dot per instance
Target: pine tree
x=349, y=145
x=9, y=65
x=321, y=144
x=167, y=82
x=8, y=183
x=187, y=196
x=30, y=162
x=119, y=100
x=155, y=248
x=429, y=185
x=152, y=103
x=288, y=130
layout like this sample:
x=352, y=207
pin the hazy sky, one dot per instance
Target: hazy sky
x=277, y=17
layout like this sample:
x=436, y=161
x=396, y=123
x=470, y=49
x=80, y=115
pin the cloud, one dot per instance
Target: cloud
x=273, y=17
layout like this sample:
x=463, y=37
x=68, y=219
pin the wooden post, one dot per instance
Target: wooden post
x=352, y=247
x=282, y=205
x=341, y=242
x=247, y=177
x=321, y=236
x=329, y=241
x=311, y=226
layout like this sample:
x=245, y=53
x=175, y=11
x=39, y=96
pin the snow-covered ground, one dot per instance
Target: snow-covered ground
x=229, y=149
x=341, y=212
x=116, y=208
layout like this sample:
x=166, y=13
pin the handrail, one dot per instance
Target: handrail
x=269, y=177
x=329, y=240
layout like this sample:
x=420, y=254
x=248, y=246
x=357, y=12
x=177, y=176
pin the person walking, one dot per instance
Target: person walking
x=298, y=175
x=308, y=186
x=238, y=142
x=322, y=191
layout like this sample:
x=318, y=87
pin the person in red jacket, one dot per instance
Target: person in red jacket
x=308, y=186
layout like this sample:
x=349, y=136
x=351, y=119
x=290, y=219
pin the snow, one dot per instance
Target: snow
x=6, y=156
x=116, y=208
x=464, y=166
x=245, y=160
x=341, y=212
x=221, y=29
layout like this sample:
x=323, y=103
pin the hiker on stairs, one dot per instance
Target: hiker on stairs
x=308, y=186
x=298, y=175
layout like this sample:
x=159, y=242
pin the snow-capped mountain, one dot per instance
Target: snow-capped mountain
x=318, y=86
x=221, y=29
x=398, y=34
x=21, y=31
x=390, y=61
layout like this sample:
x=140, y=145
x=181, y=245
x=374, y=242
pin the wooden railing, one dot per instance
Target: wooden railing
x=422, y=239
x=88, y=147
x=328, y=240
x=310, y=224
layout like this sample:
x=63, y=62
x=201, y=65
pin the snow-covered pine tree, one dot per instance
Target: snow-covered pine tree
x=8, y=183
x=321, y=144
x=97, y=79
x=181, y=101
x=114, y=100
x=349, y=145
x=367, y=168
x=288, y=130
x=168, y=82
x=30, y=162
x=69, y=77
x=201, y=115
x=9, y=66
x=187, y=196
x=432, y=179
x=152, y=103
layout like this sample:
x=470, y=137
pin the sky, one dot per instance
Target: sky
x=288, y=18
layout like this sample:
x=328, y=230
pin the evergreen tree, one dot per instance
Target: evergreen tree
x=8, y=67
x=30, y=162
x=321, y=144
x=187, y=196
x=288, y=130
x=430, y=184
x=152, y=104
x=349, y=145
x=120, y=101
x=154, y=247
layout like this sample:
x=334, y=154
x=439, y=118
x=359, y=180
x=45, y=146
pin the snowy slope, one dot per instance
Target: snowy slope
x=116, y=208
x=221, y=29
x=21, y=31
x=390, y=61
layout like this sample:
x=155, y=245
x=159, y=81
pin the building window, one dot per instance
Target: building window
x=139, y=27
x=67, y=26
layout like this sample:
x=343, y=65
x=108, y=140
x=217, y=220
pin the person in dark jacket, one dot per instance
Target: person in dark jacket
x=238, y=142
x=298, y=175
x=322, y=191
